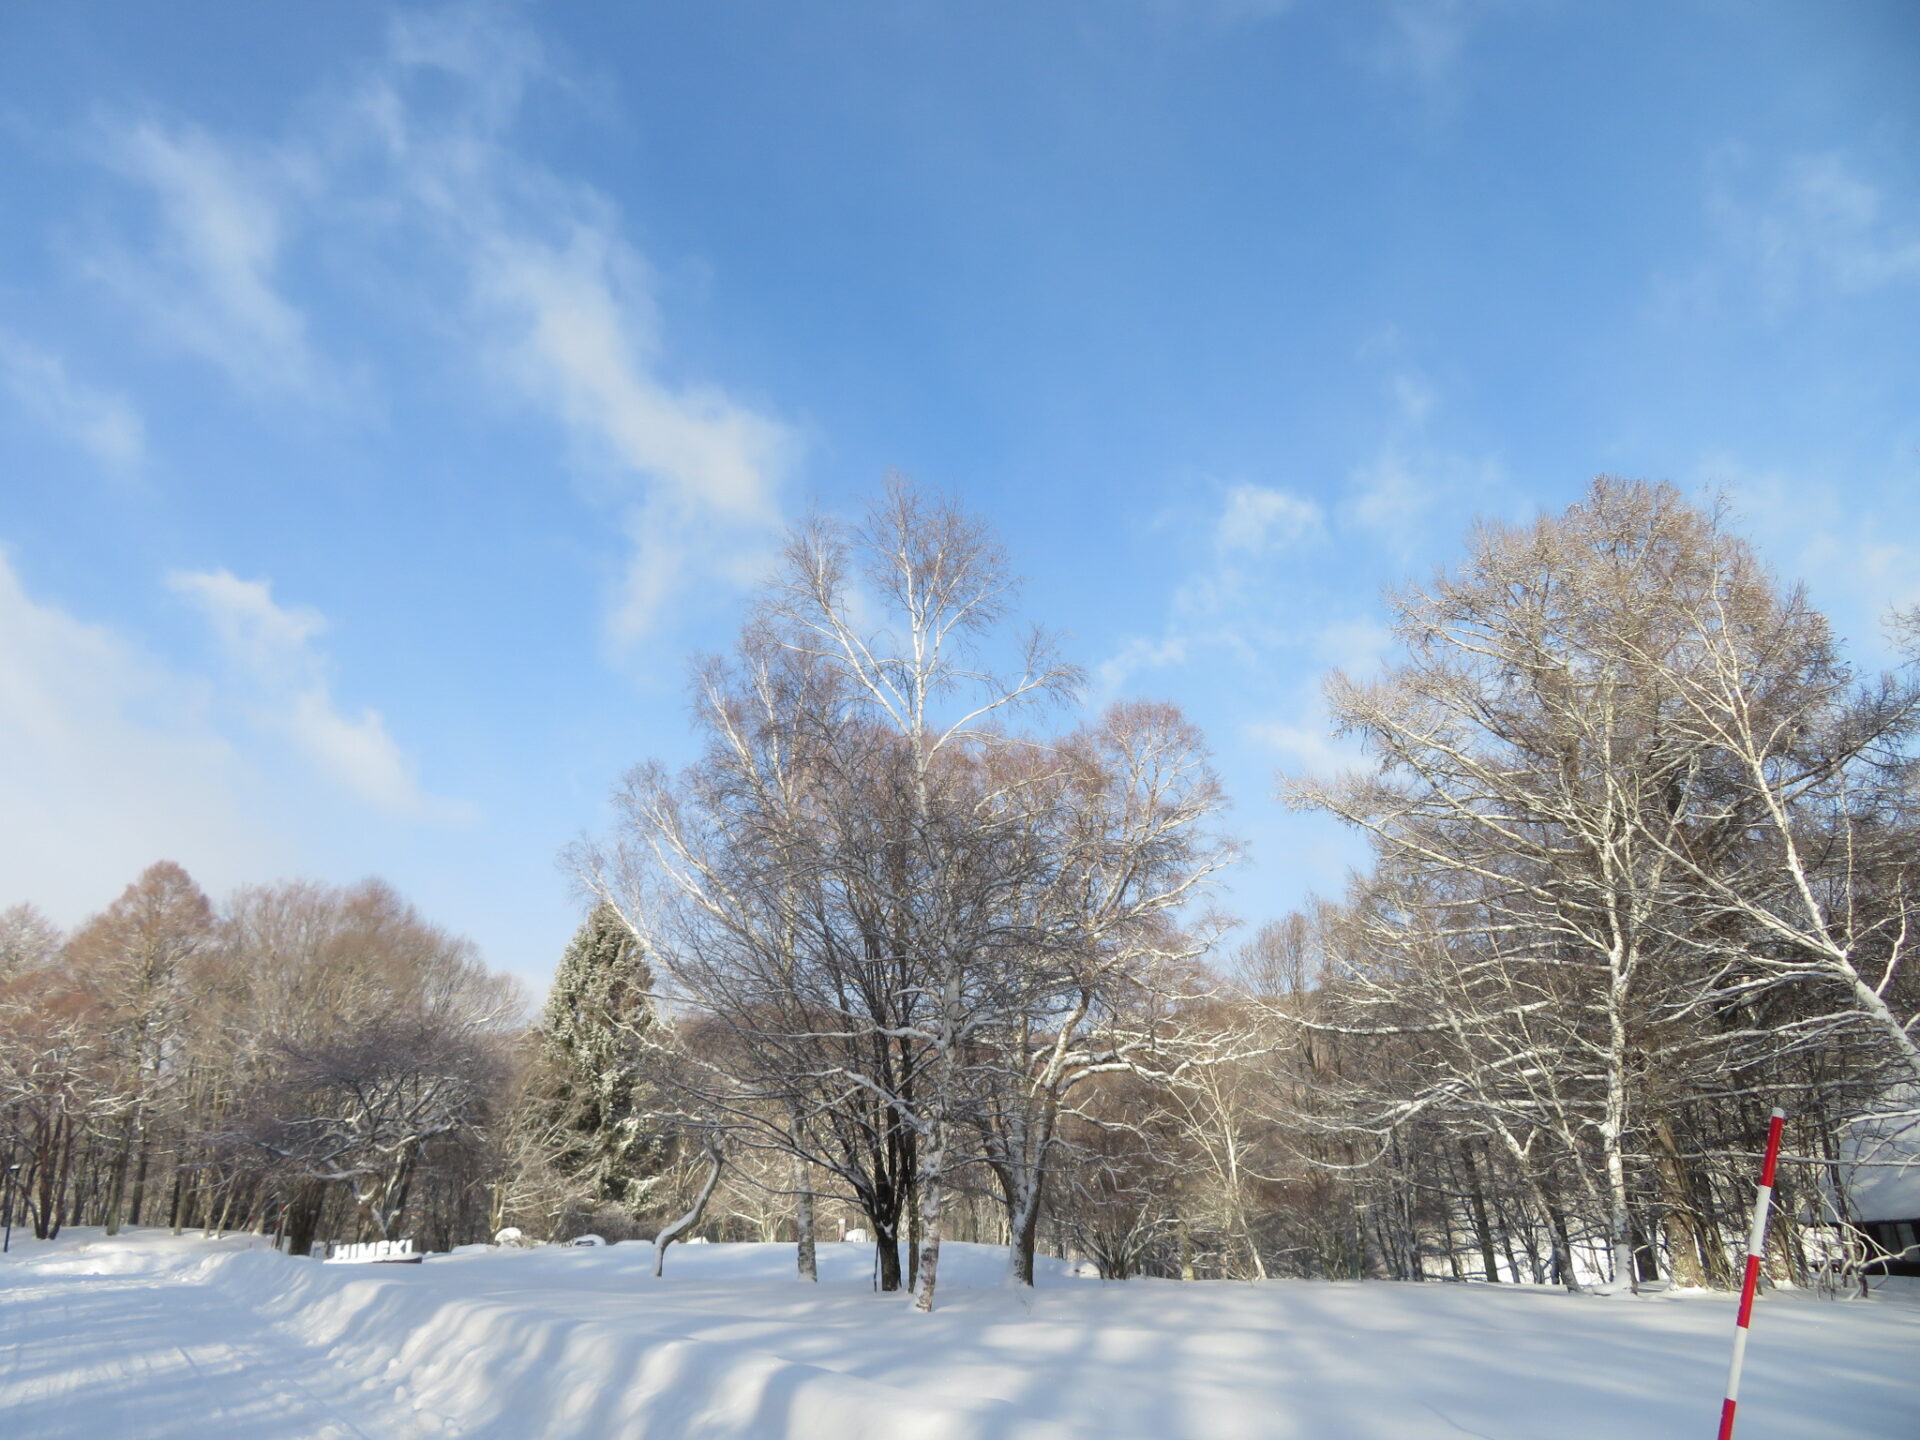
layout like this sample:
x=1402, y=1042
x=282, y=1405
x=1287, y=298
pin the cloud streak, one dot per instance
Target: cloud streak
x=206, y=276
x=563, y=308
x=1233, y=602
x=528, y=273
x=277, y=648
x=1258, y=520
x=1791, y=231
x=108, y=762
x=105, y=425
x=1409, y=481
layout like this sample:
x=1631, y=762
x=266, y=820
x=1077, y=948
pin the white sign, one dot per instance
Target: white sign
x=371, y=1251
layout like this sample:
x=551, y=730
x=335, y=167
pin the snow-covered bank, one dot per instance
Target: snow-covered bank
x=145, y=1336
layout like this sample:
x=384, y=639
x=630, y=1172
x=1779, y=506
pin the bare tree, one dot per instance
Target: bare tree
x=1815, y=881
x=834, y=870
x=364, y=1037
x=1118, y=825
x=29, y=942
x=1538, y=789
x=1642, y=857
x=133, y=958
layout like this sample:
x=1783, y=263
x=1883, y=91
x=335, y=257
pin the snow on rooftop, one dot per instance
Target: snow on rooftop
x=1883, y=1160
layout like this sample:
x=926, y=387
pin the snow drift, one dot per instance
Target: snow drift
x=151, y=1338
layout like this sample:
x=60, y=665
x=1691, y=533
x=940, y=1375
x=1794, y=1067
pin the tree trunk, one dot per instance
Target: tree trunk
x=57, y=1200
x=1694, y=1253
x=1024, y=1237
x=303, y=1217
x=137, y=1201
x=932, y=1203
x=886, y=1245
x=1613, y=1127
x=930, y=1212
x=1563, y=1271
x=716, y=1162
x=226, y=1210
x=1477, y=1200
x=117, y=1176
x=913, y=1240
x=803, y=1221
x=1646, y=1254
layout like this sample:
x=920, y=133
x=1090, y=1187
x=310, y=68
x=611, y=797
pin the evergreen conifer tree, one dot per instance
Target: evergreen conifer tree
x=592, y=1090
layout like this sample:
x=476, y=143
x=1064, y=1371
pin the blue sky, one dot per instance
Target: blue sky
x=392, y=398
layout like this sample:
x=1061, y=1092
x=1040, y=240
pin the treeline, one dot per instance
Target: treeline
x=1645, y=853
x=307, y=1060
x=919, y=945
x=1643, y=868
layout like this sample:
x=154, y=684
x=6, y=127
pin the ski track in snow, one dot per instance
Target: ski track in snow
x=104, y=1356
x=150, y=1338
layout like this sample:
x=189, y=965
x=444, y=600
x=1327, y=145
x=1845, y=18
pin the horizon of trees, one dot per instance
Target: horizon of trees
x=919, y=945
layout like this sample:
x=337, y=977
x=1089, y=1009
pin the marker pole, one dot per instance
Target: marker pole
x=1756, y=1247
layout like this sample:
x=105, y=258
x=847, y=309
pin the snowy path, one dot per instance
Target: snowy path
x=93, y=1356
x=147, y=1338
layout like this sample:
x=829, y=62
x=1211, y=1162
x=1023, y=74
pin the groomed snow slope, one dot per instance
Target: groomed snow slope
x=146, y=1337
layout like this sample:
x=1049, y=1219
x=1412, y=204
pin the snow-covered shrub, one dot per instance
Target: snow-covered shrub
x=611, y=1223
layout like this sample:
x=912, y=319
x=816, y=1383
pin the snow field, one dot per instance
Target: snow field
x=150, y=1338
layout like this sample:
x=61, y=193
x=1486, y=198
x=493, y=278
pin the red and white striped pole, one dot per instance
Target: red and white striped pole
x=1756, y=1247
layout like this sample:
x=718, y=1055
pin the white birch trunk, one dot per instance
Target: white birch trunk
x=716, y=1162
x=803, y=1221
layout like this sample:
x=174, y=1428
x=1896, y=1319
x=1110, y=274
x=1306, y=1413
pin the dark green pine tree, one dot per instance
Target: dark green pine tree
x=594, y=1037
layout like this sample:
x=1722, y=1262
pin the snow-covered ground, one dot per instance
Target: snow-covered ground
x=146, y=1337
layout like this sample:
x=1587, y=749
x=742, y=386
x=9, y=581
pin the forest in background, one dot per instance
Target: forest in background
x=922, y=946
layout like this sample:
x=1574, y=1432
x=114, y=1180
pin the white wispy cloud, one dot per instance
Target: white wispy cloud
x=108, y=762
x=574, y=326
x=1791, y=229
x=413, y=169
x=1412, y=482
x=1355, y=646
x=1306, y=745
x=1827, y=223
x=1426, y=45
x=1256, y=598
x=1241, y=600
x=206, y=272
x=105, y=425
x=1407, y=488
x=1258, y=604
x=1136, y=655
x=562, y=307
x=1256, y=544
x=1424, y=38
x=1259, y=520
x=1302, y=736
x=277, y=648
x=1859, y=560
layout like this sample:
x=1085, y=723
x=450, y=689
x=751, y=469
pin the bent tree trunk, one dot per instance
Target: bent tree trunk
x=716, y=1162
